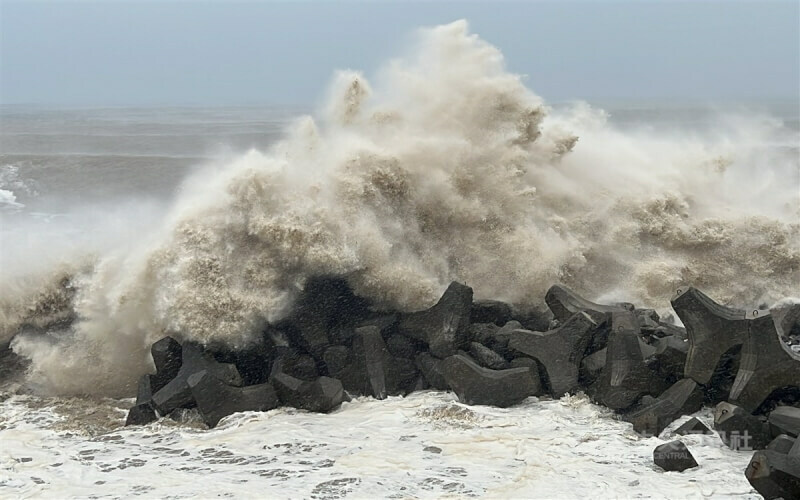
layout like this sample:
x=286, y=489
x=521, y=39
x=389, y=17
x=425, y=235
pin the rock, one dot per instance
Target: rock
x=559, y=351
x=216, y=399
x=475, y=385
x=767, y=365
x=401, y=346
x=322, y=395
x=141, y=414
x=431, y=369
x=565, y=303
x=693, y=426
x=167, y=359
x=655, y=415
x=490, y=311
x=774, y=474
x=445, y=326
x=785, y=420
x=487, y=357
x=626, y=377
x=713, y=329
x=177, y=394
x=739, y=429
x=674, y=456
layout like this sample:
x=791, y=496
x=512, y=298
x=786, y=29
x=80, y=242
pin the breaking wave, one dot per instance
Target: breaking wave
x=445, y=167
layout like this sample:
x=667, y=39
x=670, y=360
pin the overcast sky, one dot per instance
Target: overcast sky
x=116, y=53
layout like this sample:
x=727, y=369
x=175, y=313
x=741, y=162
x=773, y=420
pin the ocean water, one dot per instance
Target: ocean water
x=426, y=445
x=121, y=225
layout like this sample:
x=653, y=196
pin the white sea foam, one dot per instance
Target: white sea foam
x=444, y=167
x=8, y=200
x=423, y=446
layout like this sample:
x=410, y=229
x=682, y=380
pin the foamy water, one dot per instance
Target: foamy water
x=426, y=445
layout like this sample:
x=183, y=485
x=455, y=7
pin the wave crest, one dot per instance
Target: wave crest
x=447, y=168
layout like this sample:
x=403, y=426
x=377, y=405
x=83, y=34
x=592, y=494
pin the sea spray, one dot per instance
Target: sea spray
x=445, y=168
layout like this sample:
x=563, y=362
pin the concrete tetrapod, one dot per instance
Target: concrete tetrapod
x=475, y=385
x=775, y=474
x=325, y=304
x=216, y=399
x=767, y=364
x=177, y=394
x=431, y=369
x=674, y=456
x=787, y=319
x=490, y=311
x=369, y=368
x=626, y=376
x=559, y=351
x=785, y=420
x=494, y=337
x=167, y=358
x=685, y=396
x=782, y=443
x=592, y=366
x=565, y=303
x=445, y=326
x=693, y=426
x=371, y=353
x=144, y=391
x=739, y=429
x=487, y=357
x=322, y=395
x=713, y=329
x=141, y=414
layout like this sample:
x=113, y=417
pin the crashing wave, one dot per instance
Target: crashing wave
x=445, y=168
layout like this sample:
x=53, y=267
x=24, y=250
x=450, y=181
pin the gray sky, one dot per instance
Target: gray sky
x=116, y=53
